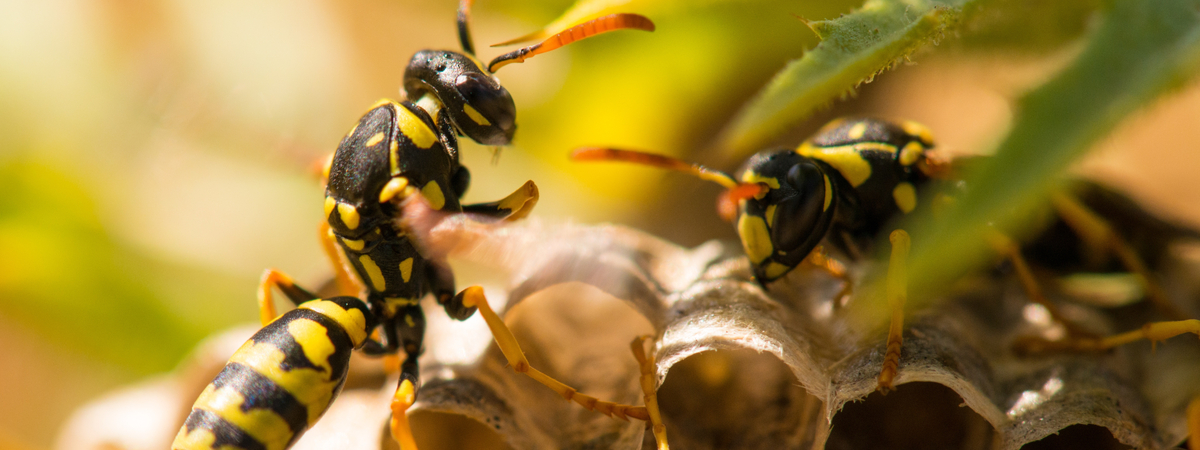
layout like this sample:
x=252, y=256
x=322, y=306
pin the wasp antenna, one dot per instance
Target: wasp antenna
x=464, y=26
x=727, y=203
x=654, y=160
x=587, y=29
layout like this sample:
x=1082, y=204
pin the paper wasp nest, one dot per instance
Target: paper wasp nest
x=738, y=367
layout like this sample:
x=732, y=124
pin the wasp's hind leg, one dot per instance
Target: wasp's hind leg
x=346, y=285
x=514, y=207
x=411, y=323
x=897, y=295
x=473, y=297
x=1153, y=332
x=649, y=393
x=266, y=301
x=1098, y=233
x=1009, y=249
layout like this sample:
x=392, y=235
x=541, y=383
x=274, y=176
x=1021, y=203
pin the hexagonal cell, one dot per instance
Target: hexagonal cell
x=447, y=431
x=737, y=399
x=915, y=416
x=1078, y=437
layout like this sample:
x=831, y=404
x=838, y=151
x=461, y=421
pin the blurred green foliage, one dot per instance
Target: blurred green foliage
x=61, y=273
x=1140, y=51
x=853, y=49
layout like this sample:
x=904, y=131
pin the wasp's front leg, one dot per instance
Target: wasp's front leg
x=514, y=207
x=897, y=295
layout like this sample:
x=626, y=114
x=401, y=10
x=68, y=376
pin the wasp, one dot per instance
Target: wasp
x=848, y=185
x=284, y=378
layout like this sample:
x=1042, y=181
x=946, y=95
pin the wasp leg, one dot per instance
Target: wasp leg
x=411, y=322
x=1095, y=231
x=1153, y=332
x=514, y=207
x=1008, y=248
x=649, y=393
x=821, y=260
x=473, y=297
x=345, y=281
x=387, y=351
x=442, y=280
x=266, y=301
x=897, y=294
x=1193, y=421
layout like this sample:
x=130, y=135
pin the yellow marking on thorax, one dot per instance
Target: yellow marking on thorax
x=373, y=273
x=918, y=130
x=264, y=425
x=433, y=193
x=354, y=244
x=326, y=167
x=775, y=270
x=756, y=239
x=408, y=320
x=770, y=215
x=394, y=158
x=352, y=320
x=906, y=197
x=198, y=439
x=394, y=187
x=394, y=302
x=828, y=193
x=415, y=128
x=846, y=159
x=330, y=203
x=857, y=130
x=349, y=215
x=312, y=388
x=911, y=152
x=406, y=269
x=375, y=139
x=475, y=115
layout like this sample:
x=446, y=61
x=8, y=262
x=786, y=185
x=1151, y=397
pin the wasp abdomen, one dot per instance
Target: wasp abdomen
x=280, y=381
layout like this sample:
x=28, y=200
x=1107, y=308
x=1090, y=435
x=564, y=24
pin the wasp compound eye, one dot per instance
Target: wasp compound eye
x=799, y=214
x=489, y=109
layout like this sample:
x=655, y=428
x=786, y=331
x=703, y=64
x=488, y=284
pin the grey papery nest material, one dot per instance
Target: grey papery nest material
x=738, y=367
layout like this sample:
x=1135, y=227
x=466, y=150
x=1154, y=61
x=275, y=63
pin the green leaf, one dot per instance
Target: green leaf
x=1141, y=51
x=853, y=49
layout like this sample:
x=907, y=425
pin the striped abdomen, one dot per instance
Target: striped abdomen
x=280, y=381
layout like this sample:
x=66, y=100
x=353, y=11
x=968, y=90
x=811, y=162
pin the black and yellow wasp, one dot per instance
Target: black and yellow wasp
x=283, y=379
x=847, y=185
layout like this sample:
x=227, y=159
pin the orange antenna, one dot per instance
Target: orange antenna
x=726, y=203
x=587, y=29
x=651, y=159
